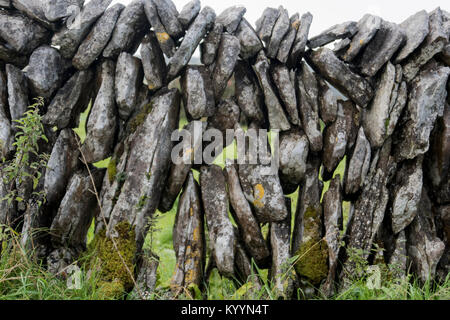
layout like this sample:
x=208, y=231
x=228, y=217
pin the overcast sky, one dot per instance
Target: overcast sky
x=326, y=12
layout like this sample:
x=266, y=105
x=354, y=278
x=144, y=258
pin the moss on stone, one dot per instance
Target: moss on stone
x=139, y=119
x=110, y=290
x=312, y=260
x=112, y=169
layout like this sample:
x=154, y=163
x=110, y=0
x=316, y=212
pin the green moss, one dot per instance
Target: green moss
x=312, y=260
x=386, y=123
x=110, y=290
x=112, y=170
x=140, y=117
x=107, y=259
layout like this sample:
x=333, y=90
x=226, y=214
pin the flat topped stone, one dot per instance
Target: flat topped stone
x=231, y=17
x=339, y=31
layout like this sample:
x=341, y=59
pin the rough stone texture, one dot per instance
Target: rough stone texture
x=97, y=39
x=189, y=238
x=166, y=43
x=279, y=30
x=55, y=10
x=367, y=28
x=286, y=90
x=265, y=24
x=44, y=71
x=35, y=10
x=226, y=59
x=294, y=148
x=406, y=193
x=225, y=117
x=21, y=33
x=65, y=108
x=250, y=43
x=357, y=164
x=339, y=31
x=388, y=39
x=131, y=26
x=288, y=40
x=434, y=42
x=155, y=69
x=8, y=55
x=6, y=134
x=231, y=17
x=147, y=274
x=129, y=75
x=60, y=166
x=425, y=103
x=202, y=23
x=301, y=38
x=215, y=202
x=71, y=35
x=339, y=75
x=210, y=45
x=248, y=94
x=17, y=93
x=168, y=14
x=328, y=105
x=416, y=28
x=188, y=13
x=276, y=116
x=101, y=124
x=307, y=94
x=248, y=225
x=198, y=92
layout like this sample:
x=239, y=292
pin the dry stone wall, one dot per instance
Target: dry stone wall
x=377, y=101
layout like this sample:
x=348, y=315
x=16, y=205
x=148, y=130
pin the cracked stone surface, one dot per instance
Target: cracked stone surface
x=286, y=90
x=279, y=30
x=249, y=40
x=166, y=42
x=339, y=31
x=231, y=17
x=188, y=13
x=168, y=14
x=301, y=38
x=155, y=69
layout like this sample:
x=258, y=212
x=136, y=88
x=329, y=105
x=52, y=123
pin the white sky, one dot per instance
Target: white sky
x=326, y=12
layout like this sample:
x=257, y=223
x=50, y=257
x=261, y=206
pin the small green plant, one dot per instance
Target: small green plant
x=27, y=163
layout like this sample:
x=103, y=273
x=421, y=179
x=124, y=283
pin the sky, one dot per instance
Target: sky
x=326, y=13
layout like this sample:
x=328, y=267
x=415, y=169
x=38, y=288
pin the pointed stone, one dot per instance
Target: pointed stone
x=21, y=33
x=279, y=30
x=198, y=92
x=367, y=28
x=289, y=38
x=189, y=238
x=168, y=14
x=300, y=40
x=129, y=75
x=202, y=23
x=248, y=94
x=61, y=165
x=250, y=43
x=44, y=71
x=221, y=233
x=425, y=103
x=97, y=39
x=339, y=31
x=286, y=90
x=231, y=17
x=188, y=13
x=155, y=69
x=358, y=164
x=17, y=93
x=265, y=24
x=226, y=59
x=339, y=75
x=210, y=45
x=70, y=36
x=68, y=103
x=328, y=105
x=416, y=28
x=307, y=93
x=277, y=117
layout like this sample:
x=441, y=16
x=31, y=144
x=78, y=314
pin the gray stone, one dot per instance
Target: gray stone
x=265, y=24
x=128, y=79
x=147, y=275
x=21, y=33
x=248, y=94
x=17, y=93
x=307, y=93
x=210, y=45
x=231, y=17
x=202, y=23
x=327, y=102
x=65, y=108
x=277, y=117
x=226, y=117
x=155, y=69
x=188, y=13
x=5, y=3
x=341, y=46
x=339, y=75
x=55, y=10
x=6, y=134
x=339, y=31
x=388, y=39
x=286, y=90
x=367, y=28
x=434, y=43
x=250, y=43
x=44, y=71
x=301, y=38
x=289, y=38
x=425, y=103
x=198, y=92
x=279, y=30
x=131, y=26
x=35, y=10
x=70, y=36
x=8, y=55
x=168, y=14
x=358, y=164
x=97, y=39
x=226, y=59
x=221, y=234
x=416, y=28
x=101, y=124
x=166, y=43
